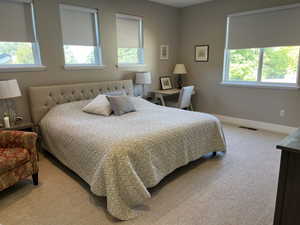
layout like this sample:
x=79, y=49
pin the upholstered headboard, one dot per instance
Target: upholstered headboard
x=43, y=98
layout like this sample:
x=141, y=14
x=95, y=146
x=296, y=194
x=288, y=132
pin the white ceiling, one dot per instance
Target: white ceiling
x=180, y=3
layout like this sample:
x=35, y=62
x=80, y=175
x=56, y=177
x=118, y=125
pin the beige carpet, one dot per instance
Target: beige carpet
x=236, y=189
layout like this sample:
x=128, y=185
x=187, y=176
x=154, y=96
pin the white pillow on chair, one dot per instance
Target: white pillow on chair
x=100, y=106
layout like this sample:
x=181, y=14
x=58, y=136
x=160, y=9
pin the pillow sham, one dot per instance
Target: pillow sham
x=121, y=104
x=100, y=106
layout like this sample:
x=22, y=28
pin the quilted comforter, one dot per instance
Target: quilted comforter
x=121, y=156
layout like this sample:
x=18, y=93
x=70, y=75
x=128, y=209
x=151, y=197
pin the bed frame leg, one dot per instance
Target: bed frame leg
x=214, y=154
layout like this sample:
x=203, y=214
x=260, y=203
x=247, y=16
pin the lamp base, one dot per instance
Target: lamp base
x=179, y=81
x=9, y=110
x=144, y=95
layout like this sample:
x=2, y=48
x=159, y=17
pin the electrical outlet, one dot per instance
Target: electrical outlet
x=282, y=113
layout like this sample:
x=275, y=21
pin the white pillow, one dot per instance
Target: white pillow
x=100, y=106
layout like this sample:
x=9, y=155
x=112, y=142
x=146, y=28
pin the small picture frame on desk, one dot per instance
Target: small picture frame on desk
x=166, y=83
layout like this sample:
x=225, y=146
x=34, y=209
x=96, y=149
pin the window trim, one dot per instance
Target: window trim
x=97, y=48
x=22, y=68
x=83, y=67
x=252, y=84
x=37, y=66
x=141, y=51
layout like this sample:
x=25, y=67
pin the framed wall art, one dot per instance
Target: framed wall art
x=164, y=52
x=201, y=53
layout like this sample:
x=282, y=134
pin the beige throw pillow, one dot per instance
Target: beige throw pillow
x=100, y=106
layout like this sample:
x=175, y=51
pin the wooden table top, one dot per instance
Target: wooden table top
x=19, y=126
x=168, y=92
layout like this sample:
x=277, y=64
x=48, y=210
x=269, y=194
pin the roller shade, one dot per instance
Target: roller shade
x=128, y=31
x=16, y=23
x=265, y=28
x=78, y=25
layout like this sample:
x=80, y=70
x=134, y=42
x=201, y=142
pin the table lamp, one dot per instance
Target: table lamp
x=9, y=89
x=143, y=78
x=179, y=70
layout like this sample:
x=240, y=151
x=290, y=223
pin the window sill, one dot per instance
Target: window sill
x=84, y=67
x=124, y=66
x=259, y=85
x=22, y=68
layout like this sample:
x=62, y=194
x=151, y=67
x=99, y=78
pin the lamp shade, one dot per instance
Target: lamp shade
x=9, y=89
x=143, y=78
x=180, y=69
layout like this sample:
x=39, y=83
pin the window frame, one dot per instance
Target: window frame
x=258, y=83
x=37, y=66
x=141, y=51
x=97, y=48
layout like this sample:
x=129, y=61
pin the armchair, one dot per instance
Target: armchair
x=18, y=157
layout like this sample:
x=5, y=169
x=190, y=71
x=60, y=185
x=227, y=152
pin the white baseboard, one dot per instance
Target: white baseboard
x=257, y=124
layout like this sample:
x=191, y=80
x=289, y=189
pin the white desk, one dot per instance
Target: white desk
x=161, y=93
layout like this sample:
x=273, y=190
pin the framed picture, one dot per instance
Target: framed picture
x=166, y=83
x=164, y=52
x=201, y=53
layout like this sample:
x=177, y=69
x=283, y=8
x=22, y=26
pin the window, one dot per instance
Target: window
x=258, y=56
x=130, y=40
x=265, y=65
x=81, y=41
x=18, y=41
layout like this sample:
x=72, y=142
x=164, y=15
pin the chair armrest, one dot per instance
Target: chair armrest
x=18, y=139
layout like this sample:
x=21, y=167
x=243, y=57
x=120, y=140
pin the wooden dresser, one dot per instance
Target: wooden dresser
x=287, y=210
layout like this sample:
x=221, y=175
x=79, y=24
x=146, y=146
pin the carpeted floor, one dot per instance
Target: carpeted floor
x=236, y=189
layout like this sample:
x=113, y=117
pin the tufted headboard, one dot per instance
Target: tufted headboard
x=43, y=98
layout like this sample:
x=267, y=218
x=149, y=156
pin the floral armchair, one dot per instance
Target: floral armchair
x=18, y=157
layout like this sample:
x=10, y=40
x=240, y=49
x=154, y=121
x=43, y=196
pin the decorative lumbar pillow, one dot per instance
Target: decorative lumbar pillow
x=100, y=106
x=121, y=104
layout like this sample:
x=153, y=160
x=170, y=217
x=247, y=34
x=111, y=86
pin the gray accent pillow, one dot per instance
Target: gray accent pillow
x=121, y=104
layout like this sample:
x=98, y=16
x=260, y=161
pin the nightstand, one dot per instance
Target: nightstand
x=154, y=100
x=22, y=126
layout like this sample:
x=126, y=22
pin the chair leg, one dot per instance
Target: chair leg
x=35, y=178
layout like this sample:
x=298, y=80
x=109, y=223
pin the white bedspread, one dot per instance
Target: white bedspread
x=121, y=156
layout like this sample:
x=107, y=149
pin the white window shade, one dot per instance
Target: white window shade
x=264, y=28
x=78, y=26
x=128, y=32
x=16, y=23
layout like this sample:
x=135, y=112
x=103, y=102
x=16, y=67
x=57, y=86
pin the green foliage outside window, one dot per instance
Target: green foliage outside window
x=279, y=64
x=128, y=55
x=243, y=64
x=280, y=61
x=16, y=52
x=76, y=54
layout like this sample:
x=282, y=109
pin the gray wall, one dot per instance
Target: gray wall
x=205, y=24
x=201, y=24
x=160, y=27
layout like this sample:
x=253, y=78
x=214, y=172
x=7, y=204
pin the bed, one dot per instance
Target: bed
x=120, y=156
